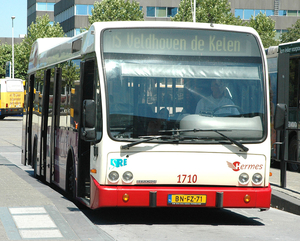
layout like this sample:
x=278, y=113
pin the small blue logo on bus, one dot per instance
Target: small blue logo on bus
x=118, y=162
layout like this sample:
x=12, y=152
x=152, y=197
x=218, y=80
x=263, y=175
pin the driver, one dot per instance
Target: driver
x=215, y=100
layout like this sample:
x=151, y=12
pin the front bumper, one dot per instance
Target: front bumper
x=157, y=196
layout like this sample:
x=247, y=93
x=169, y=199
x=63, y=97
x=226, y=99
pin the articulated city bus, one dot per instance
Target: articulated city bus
x=11, y=97
x=151, y=114
x=284, y=70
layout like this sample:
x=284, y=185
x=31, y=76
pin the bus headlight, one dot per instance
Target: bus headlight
x=244, y=178
x=127, y=176
x=257, y=178
x=113, y=176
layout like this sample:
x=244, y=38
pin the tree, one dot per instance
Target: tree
x=42, y=28
x=116, y=10
x=265, y=28
x=5, y=55
x=207, y=11
x=292, y=34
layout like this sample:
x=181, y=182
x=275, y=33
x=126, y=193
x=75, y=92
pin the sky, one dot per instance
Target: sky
x=9, y=8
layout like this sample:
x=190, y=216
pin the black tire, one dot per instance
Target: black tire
x=293, y=155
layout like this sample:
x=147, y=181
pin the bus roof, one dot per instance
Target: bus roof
x=47, y=52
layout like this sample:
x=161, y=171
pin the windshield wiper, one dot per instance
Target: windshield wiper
x=149, y=138
x=244, y=148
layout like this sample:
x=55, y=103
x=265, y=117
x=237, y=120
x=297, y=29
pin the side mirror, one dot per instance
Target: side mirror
x=88, y=131
x=280, y=117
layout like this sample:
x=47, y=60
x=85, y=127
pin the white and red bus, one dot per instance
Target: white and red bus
x=118, y=116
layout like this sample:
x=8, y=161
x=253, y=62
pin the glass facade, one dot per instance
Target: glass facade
x=79, y=10
x=279, y=32
x=45, y=6
x=161, y=12
x=171, y=12
x=68, y=13
x=150, y=11
x=246, y=14
x=282, y=13
x=41, y=6
x=270, y=12
x=84, y=9
x=293, y=13
x=258, y=11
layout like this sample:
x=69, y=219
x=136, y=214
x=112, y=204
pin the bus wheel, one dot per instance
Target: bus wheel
x=293, y=155
x=70, y=188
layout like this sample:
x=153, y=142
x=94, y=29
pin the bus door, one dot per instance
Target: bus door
x=52, y=125
x=291, y=65
x=282, y=95
x=87, y=75
x=41, y=165
x=55, y=122
x=27, y=132
x=49, y=122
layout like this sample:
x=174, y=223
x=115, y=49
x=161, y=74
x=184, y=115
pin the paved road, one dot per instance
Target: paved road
x=29, y=209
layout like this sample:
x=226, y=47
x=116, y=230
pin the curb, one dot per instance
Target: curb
x=283, y=201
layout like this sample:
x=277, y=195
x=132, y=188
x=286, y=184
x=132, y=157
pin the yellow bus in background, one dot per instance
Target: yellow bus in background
x=11, y=97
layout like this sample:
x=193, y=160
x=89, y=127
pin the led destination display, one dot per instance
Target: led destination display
x=179, y=42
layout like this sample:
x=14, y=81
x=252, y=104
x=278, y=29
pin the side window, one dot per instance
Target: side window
x=88, y=84
x=75, y=104
x=98, y=105
x=38, y=87
x=91, y=91
x=70, y=75
x=51, y=91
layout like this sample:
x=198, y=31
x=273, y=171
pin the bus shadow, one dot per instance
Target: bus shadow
x=148, y=216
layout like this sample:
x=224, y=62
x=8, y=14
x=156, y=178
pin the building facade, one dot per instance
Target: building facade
x=73, y=14
x=8, y=40
x=36, y=8
x=284, y=12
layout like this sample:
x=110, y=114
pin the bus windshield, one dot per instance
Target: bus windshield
x=160, y=80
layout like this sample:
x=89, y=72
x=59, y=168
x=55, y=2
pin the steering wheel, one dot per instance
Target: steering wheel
x=227, y=106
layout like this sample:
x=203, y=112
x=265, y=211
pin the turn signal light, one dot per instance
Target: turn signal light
x=93, y=171
x=247, y=198
x=125, y=197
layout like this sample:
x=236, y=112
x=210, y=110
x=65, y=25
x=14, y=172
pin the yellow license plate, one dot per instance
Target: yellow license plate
x=186, y=199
